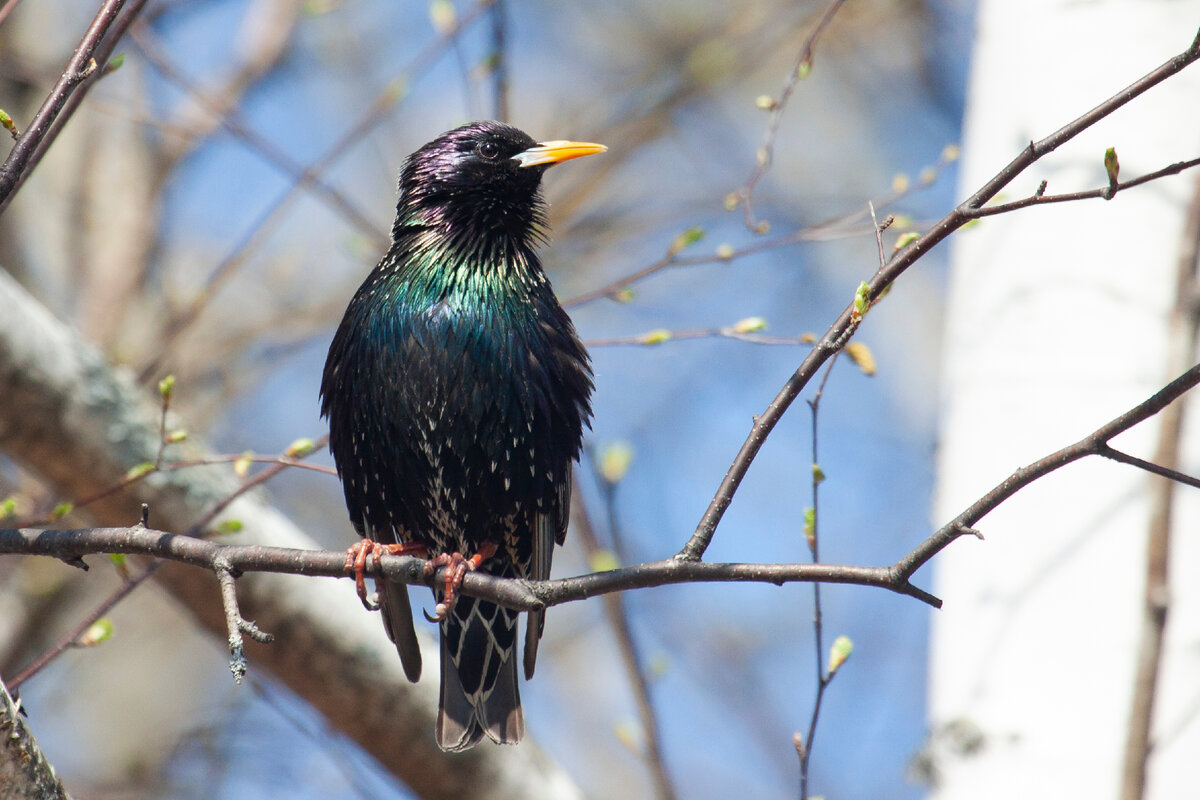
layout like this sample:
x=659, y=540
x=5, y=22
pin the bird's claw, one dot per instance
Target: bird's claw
x=457, y=566
x=356, y=563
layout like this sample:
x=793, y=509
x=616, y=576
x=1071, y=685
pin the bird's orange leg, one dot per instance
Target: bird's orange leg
x=356, y=562
x=457, y=566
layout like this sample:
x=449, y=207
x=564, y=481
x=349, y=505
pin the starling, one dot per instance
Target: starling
x=457, y=391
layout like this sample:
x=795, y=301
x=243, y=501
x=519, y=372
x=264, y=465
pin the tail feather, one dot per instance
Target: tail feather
x=479, y=677
x=398, y=622
x=533, y=634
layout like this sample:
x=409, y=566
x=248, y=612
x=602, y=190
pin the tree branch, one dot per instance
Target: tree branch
x=1094, y=444
x=1156, y=598
x=766, y=150
x=1039, y=198
x=226, y=559
x=65, y=95
x=521, y=595
x=25, y=773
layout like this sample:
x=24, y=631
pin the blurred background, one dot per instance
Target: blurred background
x=215, y=202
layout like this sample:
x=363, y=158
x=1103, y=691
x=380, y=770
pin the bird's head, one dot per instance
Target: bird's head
x=481, y=179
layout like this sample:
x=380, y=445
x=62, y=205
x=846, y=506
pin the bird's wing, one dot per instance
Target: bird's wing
x=550, y=527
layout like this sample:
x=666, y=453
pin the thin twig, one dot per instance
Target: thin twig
x=237, y=624
x=142, y=472
x=804, y=747
x=71, y=637
x=1094, y=443
x=662, y=336
x=1039, y=198
x=811, y=535
x=610, y=289
x=7, y=9
x=165, y=393
x=499, y=61
x=198, y=527
x=766, y=150
x=1173, y=475
x=25, y=153
x=227, y=458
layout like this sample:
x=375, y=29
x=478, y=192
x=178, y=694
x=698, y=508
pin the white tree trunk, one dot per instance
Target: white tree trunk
x=1059, y=321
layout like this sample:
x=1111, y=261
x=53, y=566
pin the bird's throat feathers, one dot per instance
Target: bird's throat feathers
x=472, y=217
x=437, y=261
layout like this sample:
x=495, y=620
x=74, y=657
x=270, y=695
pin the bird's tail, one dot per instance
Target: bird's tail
x=398, y=622
x=479, y=676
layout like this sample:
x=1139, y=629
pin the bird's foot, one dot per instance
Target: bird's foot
x=356, y=562
x=457, y=566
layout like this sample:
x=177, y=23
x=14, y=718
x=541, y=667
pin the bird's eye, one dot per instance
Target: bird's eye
x=489, y=150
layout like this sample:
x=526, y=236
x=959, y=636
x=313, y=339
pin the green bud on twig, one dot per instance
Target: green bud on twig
x=138, y=471
x=8, y=124
x=656, y=336
x=685, y=240
x=99, y=631
x=839, y=652
x=299, y=448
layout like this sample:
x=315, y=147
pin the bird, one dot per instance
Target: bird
x=457, y=393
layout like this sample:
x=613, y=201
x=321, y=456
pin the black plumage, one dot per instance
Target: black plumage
x=457, y=391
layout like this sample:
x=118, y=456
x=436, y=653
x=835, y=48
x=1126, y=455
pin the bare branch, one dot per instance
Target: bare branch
x=1039, y=197
x=58, y=106
x=516, y=594
x=766, y=150
x=804, y=744
x=1095, y=443
x=73, y=636
x=659, y=336
x=238, y=624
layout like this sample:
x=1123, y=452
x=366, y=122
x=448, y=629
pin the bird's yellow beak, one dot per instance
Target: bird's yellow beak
x=556, y=151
